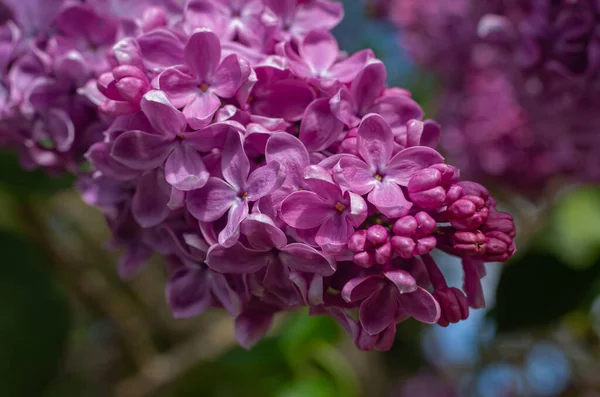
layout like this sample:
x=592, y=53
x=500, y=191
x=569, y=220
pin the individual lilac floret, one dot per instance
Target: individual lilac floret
x=232, y=195
x=330, y=211
x=198, y=85
x=379, y=173
x=388, y=296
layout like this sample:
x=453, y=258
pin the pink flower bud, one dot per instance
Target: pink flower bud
x=377, y=234
x=469, y=243
x=468, y=213
x=357, y=242
x=403, y=246
x=453, y=304
x=364, y=259
x=383, y=253
x=425, y=190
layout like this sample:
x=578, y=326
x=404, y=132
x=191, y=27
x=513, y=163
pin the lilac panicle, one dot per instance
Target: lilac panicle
x=271, y=170
x=520, y=85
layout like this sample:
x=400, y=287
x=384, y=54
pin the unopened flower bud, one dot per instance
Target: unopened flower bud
x=468, y=213
x=453, y=304
x=469, y=243
x=377, y=234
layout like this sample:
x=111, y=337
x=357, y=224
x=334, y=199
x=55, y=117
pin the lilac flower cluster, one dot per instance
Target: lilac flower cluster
x=274, y=171
x=521, y=84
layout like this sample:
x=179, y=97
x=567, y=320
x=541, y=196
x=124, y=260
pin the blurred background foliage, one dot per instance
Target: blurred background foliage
x=69, y=327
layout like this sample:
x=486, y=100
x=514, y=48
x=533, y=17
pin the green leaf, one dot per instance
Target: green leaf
x=575, y=228
x=302, y=331
x=260, y=372
x=34, y=320
x=18, y=181
x=537, y=289
x=311, y=387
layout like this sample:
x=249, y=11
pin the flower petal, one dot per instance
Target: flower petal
x=402, y=279
x=375, y=141
x=203, y=53
x=397, y=110
x=320, y=50
x=149, y=203
x=334, y=232
x=236, y=215
x=408, y=161
x=185, y=169
x=355, y=174
x=200, y=110
x=230, y=76
x=378, y=311
x=141, y=151
x=160, y=49
x=368, y=85
x=237, y=259
x=251, y=326
x=234, y=163
x=389, y=199
x=188, y=292
x=291, y=154
x=343, y=107
x=212, y=201
x=179, y=86
x=360, y=288
x=228, y=296
x=421, y=305
x=262, y=233
x=319, y=127
x=305, y=210
x=264, y=180
x=346, y=71
x=302, y=258
x=162, y=115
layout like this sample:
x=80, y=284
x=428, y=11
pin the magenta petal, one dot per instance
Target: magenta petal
x=421, y=305
x=185, y=169
x=355, y=174
x=397, y=110
x=305, y=210
x=358, y=209
x=408, y=161
x=140, y=150
x=230, y=76
x=179, y=86
x=319, y=128
x=162, y=115
x=236, y=215
x=203, y=54
x=288, y=151
x=149, y=204
x=229, y=297
x=347, y=70
x=234, y=163
x=343, y=107
x=200, y=110
x=378, y=311
x=335, y=231
x=402, y=279
x=188, y=292
x=368, y=85
x=389, y=199
x=360, y=288
x=212, y=201
x=59, y=126
x=375, y=141
x=262, y=234
x=319, y=49
x=251, y=326
x=160, y=49
x=285, y=99
x=302, y=258
x=264, y=180
x=327, y=13
x=236, y=259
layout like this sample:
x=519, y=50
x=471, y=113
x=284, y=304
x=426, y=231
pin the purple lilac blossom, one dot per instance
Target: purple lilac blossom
x=269, y=169
x=519, y=85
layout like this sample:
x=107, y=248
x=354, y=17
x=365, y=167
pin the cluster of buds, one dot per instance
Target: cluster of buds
x=273, y=172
